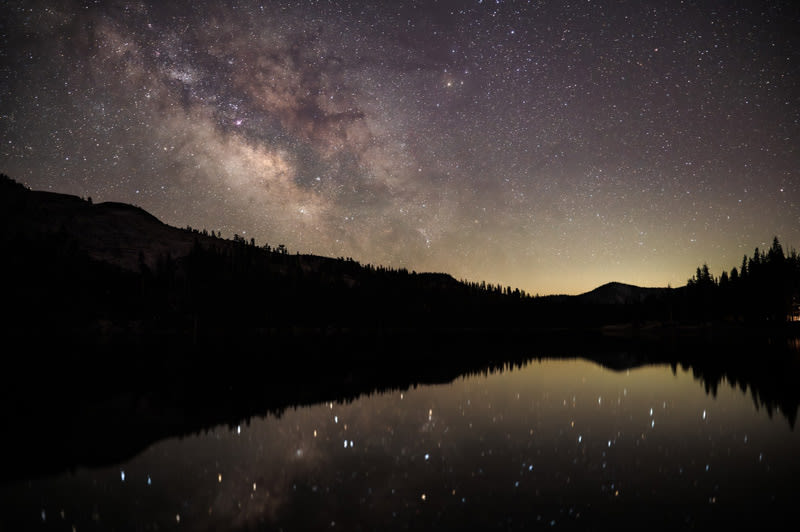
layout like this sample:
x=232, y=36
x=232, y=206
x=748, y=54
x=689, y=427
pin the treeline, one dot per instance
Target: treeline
x=764, y=289
x=216, y=287
x=474, y=287
x=260, y=289
x=213, y=287
x=235, y=290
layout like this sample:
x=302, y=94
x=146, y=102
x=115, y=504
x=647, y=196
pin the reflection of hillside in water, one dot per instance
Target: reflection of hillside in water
x=107, y=419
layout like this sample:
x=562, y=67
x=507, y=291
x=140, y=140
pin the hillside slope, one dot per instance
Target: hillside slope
x=114, y=267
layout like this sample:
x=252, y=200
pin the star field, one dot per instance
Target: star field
x=548, y=146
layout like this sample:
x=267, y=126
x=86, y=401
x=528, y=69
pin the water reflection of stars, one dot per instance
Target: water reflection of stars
x=465, y=450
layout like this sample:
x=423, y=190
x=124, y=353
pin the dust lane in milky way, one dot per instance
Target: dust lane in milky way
x=533, y=144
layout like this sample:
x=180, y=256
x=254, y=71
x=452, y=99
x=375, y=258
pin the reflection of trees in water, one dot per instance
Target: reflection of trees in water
x=767, y=370
x=771, y=382
x=106, y=420
x=767, y=391
x=768, y=373
x=793, y=345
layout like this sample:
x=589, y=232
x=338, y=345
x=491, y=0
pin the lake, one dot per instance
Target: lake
x=555, y=443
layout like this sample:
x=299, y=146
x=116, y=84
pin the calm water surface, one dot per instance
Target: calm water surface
x=556, y=444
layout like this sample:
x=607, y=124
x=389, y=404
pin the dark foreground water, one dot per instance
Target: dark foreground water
x=556, y=444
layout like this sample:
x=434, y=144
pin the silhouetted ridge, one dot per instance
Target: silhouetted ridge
x=116, y=268
x=122, y=209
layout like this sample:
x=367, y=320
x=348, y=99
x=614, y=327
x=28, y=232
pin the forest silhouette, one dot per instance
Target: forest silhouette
x=764, y=289
x=95, y=271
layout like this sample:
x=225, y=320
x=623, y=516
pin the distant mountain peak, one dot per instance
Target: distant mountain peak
x=618, y=293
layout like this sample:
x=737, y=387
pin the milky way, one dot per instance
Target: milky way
x=544, y=145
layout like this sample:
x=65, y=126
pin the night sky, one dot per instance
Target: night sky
x=550, y=146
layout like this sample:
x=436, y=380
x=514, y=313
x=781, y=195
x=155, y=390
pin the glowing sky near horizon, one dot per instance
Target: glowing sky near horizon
x=549, y=146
